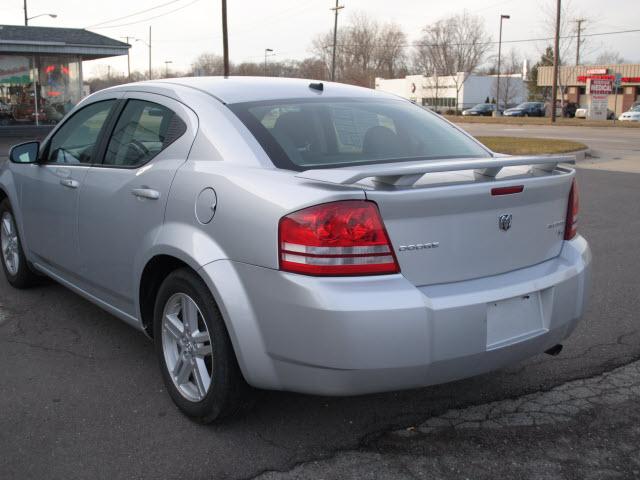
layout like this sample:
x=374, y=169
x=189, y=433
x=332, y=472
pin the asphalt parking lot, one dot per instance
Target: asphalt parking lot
x=81, y=394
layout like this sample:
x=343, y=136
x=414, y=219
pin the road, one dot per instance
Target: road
x=82, y=396
x=616, y=149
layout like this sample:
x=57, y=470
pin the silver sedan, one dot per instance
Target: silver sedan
x=295, y=235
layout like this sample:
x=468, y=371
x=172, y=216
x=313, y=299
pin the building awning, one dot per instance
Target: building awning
x=18, y=39
x=578, y=75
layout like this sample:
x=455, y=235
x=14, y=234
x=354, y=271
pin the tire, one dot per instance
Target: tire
x=14, y=263
x=225, y=392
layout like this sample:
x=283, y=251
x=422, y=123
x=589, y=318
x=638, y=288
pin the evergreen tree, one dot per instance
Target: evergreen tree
x=536, y=92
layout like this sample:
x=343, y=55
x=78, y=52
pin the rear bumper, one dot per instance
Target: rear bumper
x=347, y=336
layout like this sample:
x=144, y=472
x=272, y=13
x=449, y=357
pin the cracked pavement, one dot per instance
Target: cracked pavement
x=584, y=429
x=81, y=395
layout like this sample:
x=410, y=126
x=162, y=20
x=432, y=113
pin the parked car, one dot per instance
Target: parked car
x=526, y=109
x=632, y=115
x=583, y=112
x=482, y=109
x=278, y=233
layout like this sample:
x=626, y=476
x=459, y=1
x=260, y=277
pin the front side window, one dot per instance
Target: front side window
x=325, y=133
x=76, y=141
x=143, y=130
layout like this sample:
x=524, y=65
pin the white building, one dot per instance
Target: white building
x=442, y=92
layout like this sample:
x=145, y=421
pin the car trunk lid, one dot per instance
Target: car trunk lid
x=448, y=227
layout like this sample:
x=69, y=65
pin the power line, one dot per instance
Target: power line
x=133, y=14
x=492, y=42
x=150, y=18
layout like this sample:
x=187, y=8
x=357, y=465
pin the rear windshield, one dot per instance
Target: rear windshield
x=301, y=134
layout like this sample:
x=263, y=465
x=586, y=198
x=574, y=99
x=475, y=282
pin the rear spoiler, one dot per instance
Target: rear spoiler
x=408, y=173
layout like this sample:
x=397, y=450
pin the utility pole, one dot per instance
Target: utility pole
x=556, y=61
x=225, y=39
x=336, y=9
x=497, y=112
x=579, y=22
x=128, y=58
x=26, y=18
x=150, y=53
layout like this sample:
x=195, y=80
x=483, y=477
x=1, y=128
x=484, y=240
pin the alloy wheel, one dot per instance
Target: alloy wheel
x=9, y=243
x=187, y=348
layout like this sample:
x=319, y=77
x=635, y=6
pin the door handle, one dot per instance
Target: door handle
x=69, y=183
x=146, y=193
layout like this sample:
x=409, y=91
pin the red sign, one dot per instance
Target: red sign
x=584, y=78
x=600, y=86
x=597, y=71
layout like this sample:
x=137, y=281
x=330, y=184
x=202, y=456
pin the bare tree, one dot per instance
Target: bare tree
x=511, y=86
x=455, y=47
x=609, y=57
x=208, y=64
x=365, y=49
x=391, y=54
x=313, y=68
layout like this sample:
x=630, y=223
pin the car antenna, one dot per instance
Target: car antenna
x=317, y=86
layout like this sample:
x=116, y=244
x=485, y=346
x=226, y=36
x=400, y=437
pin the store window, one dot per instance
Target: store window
x=38, y=89
x=16, y=90
x=60, y=89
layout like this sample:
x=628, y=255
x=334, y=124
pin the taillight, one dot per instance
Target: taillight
x=571, y=227
x=337, y=238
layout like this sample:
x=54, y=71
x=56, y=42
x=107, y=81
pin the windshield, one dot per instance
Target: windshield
x=482, y=106
x=635, y=109
x=302, y=134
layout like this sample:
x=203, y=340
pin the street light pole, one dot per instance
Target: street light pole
x=556, y=61
x=335, y=40
x=502, y=17
x=52, y=15
x=266, y=52
x=26, y=18
x=148, y=44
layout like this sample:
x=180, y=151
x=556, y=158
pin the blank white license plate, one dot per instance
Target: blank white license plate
x=513, y=320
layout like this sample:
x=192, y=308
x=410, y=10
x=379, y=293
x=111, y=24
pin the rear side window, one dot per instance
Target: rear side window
x=325, y=133
x=143, y=130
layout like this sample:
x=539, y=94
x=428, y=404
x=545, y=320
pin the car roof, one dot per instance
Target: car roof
x=251, y=89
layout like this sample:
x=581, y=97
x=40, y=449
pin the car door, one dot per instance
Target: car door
x=50, y=188
x=122, y=204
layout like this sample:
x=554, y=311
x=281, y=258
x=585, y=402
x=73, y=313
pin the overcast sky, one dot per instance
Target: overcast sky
x=183, y=29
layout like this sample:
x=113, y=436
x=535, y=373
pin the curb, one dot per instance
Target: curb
x=581, y=155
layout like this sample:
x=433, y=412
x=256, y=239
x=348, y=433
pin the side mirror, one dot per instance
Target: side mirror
x=25, y=152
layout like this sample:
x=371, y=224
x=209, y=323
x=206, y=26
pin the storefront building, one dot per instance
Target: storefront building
x=573, y=81
x=443, y=93
x=41, y=70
